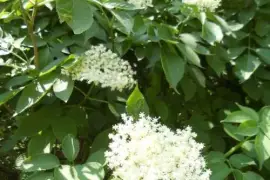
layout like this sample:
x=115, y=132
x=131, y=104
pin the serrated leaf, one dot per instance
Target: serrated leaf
x=173, y=66
x=70, y=147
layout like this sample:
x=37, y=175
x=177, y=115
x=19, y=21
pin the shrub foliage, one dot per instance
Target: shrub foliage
x=195, y=66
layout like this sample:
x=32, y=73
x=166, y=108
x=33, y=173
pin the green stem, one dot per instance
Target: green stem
x=87, y=94
x=91, y=99
x=30, y=27
x=235, y=148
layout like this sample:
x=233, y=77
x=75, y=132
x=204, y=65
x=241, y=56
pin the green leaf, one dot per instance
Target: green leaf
x=125, y=20
x=219, y=171
x=70, y=147
x=62, y=126
x=250, y=112
x=262, y=147
x=190, y=54
x=262, y=27
x=34, y=92
x=198, y=75
x=234, y=53
x=44, y=57
x=41, y=176
x=212, y=32
x=136, y=103
x=264, y=54
x=63, y=87
x=173, y=66
x=246, y=66
x=17, y=81
x=4, y=97
x=247, y=14
x=90, y=171
x=248, y=128
x=265, y=114
x=231, y=130
x=188, y=87
x=98, y=156
x=217, y=64
x=40, y=162
x=77, y=13
x=65, y=172
x=215, y=157
x=36, y=121
x=87, y=171
x=101, y=141
x=41, y=143
x=252, y=176
x=241, y=160
x=253, y=89
x=237, y=117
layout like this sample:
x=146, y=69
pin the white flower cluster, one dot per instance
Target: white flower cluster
x=144, y=149
x=103, y=67
x=211, y=5
x=141, y=3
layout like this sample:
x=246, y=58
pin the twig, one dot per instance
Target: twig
x=91, y=99
x=30, y=27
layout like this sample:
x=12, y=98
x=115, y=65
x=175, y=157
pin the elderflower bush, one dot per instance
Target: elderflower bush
x=102, y=66
x=203, y=5
x=145, y=149
x=69, y=69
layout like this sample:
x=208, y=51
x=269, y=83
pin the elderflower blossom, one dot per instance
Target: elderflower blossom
x=211, y=5
x=144, y=149
x=141, y=3
x=103, y=67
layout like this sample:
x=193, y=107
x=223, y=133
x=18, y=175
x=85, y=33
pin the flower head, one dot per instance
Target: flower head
x=203, y=5
x=141, y=3
x=144, y=149
x=103, y=67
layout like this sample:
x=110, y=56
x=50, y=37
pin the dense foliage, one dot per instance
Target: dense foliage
x=70, y=68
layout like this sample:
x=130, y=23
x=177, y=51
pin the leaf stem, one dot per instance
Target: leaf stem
x=89, y=98
x=30, y=27
x=235, y=148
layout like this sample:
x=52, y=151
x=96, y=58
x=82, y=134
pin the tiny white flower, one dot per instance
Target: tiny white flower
x=144, y=149
x=203, y=5
x=102, y=67
x=141, y=3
